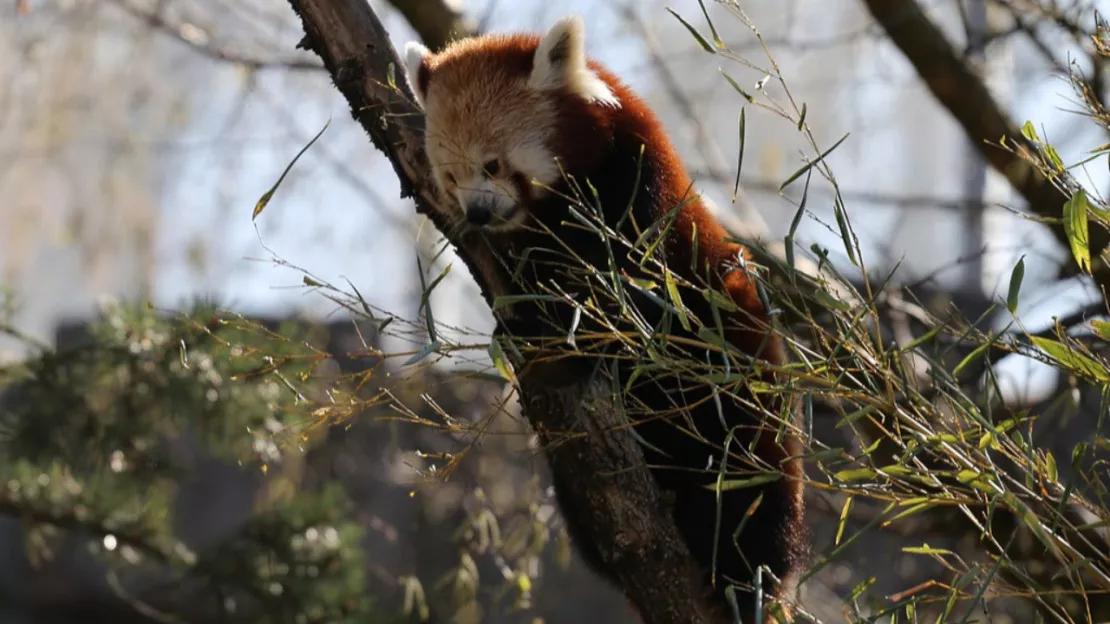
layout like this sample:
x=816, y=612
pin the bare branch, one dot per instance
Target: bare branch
x=192, y=38
x=967, y=98
x=437, y=23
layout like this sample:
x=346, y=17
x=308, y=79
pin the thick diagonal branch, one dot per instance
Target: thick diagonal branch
x=967, y=98
x=606, y=483
x=436, y=22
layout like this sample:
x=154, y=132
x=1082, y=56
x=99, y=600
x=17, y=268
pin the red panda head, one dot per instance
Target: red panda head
x=501, y=109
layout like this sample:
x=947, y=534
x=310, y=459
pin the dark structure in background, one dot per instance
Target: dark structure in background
x=406, y=534
x=414, y=529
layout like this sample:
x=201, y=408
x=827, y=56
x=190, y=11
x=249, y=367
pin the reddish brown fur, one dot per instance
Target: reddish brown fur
x=493, y=71
x=589, y=128
x=583, y=134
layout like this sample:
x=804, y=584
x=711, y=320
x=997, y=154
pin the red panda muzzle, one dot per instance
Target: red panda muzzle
x=479, y=213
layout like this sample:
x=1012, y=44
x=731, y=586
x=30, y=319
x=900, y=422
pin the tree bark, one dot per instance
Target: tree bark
x=960, y=90
x=437, y=23
x=606, y=483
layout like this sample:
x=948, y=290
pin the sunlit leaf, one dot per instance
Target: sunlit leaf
x=1029, y=132
x=1071, y=359
x=1075, y=227
x=856, y=474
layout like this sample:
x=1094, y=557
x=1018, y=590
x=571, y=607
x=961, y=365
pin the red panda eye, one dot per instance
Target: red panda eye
x=492, y=167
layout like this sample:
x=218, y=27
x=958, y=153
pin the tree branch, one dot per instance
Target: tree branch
x=199, y=42
x=610, y=489
x=437, y=23
x=967, y=98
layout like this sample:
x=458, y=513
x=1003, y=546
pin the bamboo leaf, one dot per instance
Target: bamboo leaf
x=759, y=479
x=1071, y=359
x=1029, y=132
x=797, y=174
x=858, y=474
x=1016, y=276
x=676, y=299
x=739, y=157
x=736, y=85
x=268, y=195
x=693, y=31
x=712, y=29
x=1075, y=227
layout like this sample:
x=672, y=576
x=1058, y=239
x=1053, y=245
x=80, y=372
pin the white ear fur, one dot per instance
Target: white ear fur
x=560, y=62
x=415, y=54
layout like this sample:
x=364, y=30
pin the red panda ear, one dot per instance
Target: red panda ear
x=560, y=63
x=561, y=53
x=416, y=57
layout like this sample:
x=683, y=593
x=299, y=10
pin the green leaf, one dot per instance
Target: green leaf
x=797, y=220
x=712, y=29
x=693, y=31
x=1100, y=214
x=268, y=195
x=759, y=479
x=843, y=519
x=789, y=241
x=828, y=300
x=1016, y=276
x=1054, y=157
x=926, y=550
x=858, y=474
x=1050, y=466
x=391, y=76
x=739, y=157
x=500, y=362
x=1071, y=359
x=1101, y=328
x=426, y=297
x=966, y=476
x=974, y=355
x=866, y=410
x=797, y=174
x=676, y=299
x=719, y=300
x=916, y=342
x=1029, y=132
x=736, y=85
x=845, y=230
x=1075, y=226
x=425, y=352
x=711, y=337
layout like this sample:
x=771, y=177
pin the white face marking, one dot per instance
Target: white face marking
x=560, y=62
x=513, y=136
x=536, y=162
x=490, y=203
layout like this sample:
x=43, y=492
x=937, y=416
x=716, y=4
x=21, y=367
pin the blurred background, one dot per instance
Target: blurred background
x=136, y=137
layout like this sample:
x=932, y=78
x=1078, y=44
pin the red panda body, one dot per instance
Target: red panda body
x=498, y=108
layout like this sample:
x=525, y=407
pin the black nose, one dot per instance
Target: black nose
x=479, y=214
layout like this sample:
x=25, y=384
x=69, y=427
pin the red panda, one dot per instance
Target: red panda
x=516, y=126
